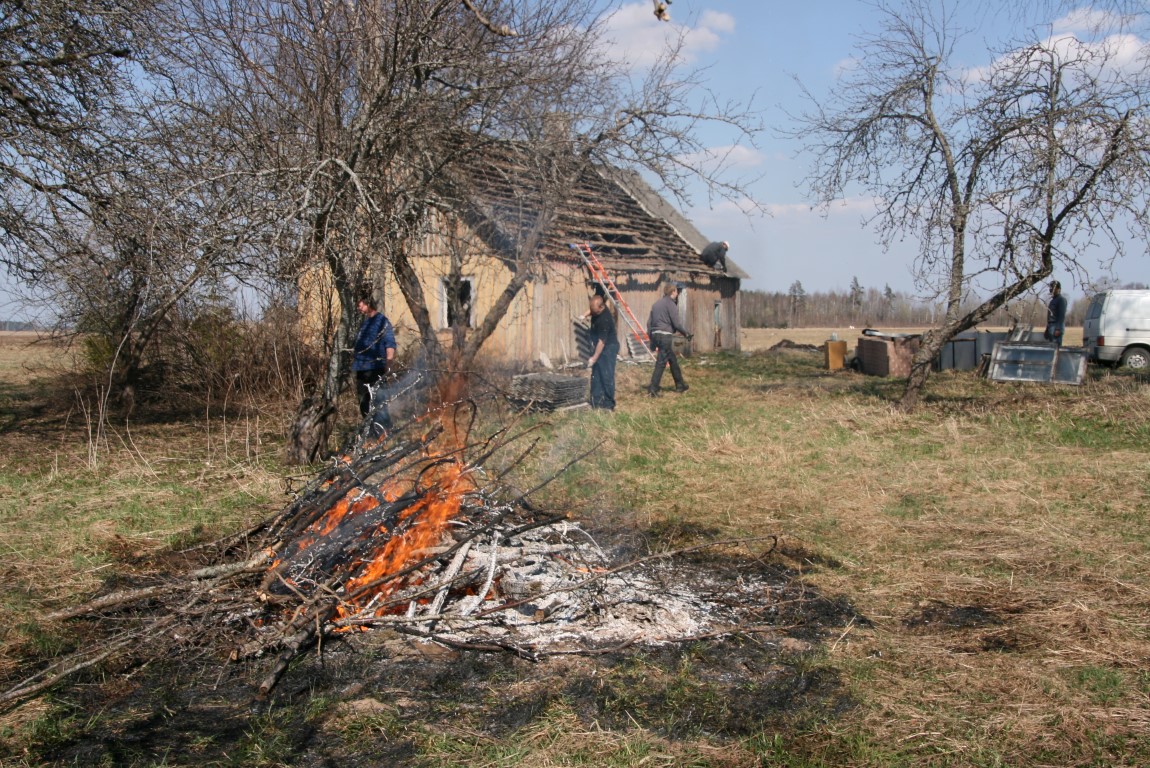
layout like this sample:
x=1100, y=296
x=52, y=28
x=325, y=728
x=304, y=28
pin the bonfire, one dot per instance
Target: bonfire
x=418, y=533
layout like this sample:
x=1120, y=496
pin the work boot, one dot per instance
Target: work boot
x=653, y=392
x=682, y=387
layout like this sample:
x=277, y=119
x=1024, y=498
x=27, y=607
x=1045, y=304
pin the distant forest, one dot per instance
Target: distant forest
x=872, y=308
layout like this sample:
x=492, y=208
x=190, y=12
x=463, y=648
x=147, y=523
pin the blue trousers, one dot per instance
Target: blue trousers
x=603, y=379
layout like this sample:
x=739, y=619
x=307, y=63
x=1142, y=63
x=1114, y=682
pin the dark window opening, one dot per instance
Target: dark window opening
x=458, y=305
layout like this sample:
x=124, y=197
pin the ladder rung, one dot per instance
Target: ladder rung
x=599, y=273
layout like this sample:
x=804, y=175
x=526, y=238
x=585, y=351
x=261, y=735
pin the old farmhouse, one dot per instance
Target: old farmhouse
x=640, y=240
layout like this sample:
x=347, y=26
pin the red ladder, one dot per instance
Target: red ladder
x=600, y=276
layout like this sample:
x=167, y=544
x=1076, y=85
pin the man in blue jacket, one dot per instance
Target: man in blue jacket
x=374, y=350
x=662, y=325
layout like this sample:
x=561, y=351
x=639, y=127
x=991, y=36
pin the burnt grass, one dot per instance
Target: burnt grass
x=378, y=697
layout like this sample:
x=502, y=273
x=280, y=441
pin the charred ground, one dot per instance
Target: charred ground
x=381, y=698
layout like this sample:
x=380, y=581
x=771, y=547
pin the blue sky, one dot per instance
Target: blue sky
x=757, y=48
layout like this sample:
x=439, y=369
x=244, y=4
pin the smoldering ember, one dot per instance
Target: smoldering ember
x=420, y=535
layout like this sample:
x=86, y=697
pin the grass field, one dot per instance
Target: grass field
x=995, y=544
x=756, y=339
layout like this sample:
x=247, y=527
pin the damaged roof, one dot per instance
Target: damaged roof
x=626, y=222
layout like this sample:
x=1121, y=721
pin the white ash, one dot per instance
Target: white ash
x=554, y=588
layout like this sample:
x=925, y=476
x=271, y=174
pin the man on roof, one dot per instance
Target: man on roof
x=715, y=255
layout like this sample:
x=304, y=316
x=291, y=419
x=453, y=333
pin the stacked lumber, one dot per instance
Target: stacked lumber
x=548, y=391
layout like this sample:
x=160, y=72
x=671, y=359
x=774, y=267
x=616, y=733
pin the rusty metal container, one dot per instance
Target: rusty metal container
x=836, y=353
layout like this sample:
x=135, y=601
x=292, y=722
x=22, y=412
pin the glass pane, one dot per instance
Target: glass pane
x=1070, y=366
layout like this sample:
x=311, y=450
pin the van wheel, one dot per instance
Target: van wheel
x=1136, y=358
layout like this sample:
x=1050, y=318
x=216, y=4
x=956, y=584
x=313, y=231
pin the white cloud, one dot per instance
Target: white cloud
x=732, y=157
x=1087, y=20
x=634, y=31
x=740, y=212
x=720, y=22
x=1082, y=34
x=1115, y=54
x=845, y=66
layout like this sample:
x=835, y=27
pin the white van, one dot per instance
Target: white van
x=1117, y=328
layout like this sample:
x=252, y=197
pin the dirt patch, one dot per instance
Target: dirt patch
x=788, y=344
x=937, y=616
x=806, y=557
x=970, y=628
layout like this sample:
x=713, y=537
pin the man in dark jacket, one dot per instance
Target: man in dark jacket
x=604, y=353
x=715, y=255
x=662, y=325
x=1055, y=315
x=374, y=350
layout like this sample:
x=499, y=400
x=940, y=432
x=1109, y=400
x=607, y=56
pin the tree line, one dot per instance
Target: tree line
x=886, y=308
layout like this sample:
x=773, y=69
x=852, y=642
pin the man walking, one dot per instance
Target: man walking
x=605, y=351
x=662, y=325
x=374, y=350
x=1055, y=315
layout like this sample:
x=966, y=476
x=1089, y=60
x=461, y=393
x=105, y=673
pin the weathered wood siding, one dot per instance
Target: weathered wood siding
x=488, y=278
x=708, y=306
x=541, y=319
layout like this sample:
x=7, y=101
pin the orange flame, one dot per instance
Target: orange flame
x=420, y=525
x=426, y=520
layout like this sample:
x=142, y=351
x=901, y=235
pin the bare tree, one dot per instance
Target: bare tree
x=362, y=122
x=1002, y=174
x=288, y=138
x=61, y=71
x=111, y=209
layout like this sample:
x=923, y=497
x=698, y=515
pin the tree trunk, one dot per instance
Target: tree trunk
x=315, y=419
x=919, y=373
x=311, y=430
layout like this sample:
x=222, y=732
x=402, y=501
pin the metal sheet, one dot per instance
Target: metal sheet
x=1029, y=361
x=964, y=352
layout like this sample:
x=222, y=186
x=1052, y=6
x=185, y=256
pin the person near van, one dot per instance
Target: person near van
x=1055, y=315
x=374, y=350
x=662, y=325
x=605, y=352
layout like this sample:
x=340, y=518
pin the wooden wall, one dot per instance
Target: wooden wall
x=542, y=317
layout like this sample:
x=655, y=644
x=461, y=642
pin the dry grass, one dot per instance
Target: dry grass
x=996, y=541
x=1022, y=506
x=77, y=510
x=559, y=737
x=26, y=355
